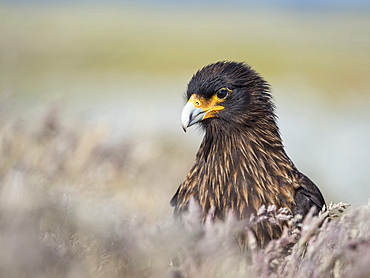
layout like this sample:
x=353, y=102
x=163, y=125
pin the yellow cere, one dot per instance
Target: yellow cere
x=207, y=105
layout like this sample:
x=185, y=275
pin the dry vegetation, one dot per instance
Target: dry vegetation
x=74, y=205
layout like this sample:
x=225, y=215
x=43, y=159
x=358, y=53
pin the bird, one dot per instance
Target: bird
x=241, y=164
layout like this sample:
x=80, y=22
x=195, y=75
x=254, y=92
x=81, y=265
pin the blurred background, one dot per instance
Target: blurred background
x=118, y=70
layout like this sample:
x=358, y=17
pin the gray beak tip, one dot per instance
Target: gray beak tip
x=191, y=115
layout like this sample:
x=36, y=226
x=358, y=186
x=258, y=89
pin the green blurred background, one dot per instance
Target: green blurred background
x=127, y=64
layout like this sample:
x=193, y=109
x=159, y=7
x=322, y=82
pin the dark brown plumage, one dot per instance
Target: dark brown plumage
x=241, y=163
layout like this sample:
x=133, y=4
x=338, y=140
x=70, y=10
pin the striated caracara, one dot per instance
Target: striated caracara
x=241, y=163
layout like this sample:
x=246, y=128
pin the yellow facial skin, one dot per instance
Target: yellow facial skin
x=207, y=105
x=198, y=108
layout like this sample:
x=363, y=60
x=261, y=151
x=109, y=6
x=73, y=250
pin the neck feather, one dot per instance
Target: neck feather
x=241, y=171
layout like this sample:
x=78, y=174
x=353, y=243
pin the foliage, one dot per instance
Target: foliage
x=62, y=214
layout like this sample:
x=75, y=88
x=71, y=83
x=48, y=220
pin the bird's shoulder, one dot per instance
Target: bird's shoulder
x=307, y=195
x=173, y=201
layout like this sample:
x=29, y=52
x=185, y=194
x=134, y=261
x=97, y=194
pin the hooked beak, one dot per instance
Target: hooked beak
x=191, y=115
x=198, y=109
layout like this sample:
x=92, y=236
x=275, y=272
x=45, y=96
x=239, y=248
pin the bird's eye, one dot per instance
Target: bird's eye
x=222, y=93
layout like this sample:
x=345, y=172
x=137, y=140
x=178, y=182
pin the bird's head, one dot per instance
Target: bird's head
x=229, y=94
